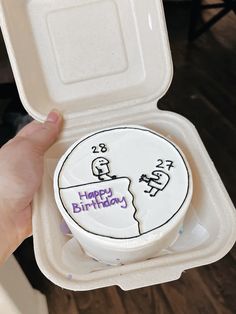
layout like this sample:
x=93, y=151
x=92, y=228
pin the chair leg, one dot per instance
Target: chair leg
x=195, y=32
x=212, y=21
x=195, y=14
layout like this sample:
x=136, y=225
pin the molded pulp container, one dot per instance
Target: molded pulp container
x=106, y=63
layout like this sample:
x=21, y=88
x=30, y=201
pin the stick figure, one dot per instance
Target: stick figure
x=101, y=170
x=157, y=183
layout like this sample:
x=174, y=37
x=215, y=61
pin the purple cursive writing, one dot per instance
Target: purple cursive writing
x=97, y=199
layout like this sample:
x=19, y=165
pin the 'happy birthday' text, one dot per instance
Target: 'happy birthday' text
x=97, y=199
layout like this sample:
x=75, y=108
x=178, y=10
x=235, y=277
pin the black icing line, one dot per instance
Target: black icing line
x=135, y=212
x=86, y=184
x=125, y=128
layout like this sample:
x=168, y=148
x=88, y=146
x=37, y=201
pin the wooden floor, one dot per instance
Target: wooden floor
x=204, y=91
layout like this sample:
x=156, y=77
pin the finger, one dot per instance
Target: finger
x=29, y=129
x=43, y=135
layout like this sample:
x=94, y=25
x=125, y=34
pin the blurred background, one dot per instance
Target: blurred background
x=203, y=44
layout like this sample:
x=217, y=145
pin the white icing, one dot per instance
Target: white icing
x=103, y=208
x=101, y=182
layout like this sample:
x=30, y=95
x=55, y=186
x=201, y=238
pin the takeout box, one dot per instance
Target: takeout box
x=107, y=63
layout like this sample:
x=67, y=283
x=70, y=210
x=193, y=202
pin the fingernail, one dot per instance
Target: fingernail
x=53, y=116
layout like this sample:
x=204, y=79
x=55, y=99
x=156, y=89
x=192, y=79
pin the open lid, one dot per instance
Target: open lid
x=86, y=55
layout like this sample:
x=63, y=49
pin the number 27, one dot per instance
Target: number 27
x=165, y=163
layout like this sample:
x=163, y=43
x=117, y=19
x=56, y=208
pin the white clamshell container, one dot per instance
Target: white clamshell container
x=105, y=63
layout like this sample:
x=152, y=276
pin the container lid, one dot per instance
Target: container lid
x=82, y=56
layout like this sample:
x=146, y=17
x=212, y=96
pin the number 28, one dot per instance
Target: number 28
x=101, y=148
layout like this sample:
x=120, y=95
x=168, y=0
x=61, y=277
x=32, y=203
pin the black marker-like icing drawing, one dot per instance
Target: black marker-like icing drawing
x=157, y=183
x=101, y=169
x=97, y=203
x=101, y=148
x=143, y=178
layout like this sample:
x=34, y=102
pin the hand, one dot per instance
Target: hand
x=143, y=178
x=21, y=170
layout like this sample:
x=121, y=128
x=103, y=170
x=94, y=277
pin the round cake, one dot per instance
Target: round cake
x=123, y=192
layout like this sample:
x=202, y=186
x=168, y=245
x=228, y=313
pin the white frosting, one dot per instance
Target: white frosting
x=124, y=183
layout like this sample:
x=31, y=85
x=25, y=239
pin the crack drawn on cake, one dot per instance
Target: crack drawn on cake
x=95, y=183
x=169, y=164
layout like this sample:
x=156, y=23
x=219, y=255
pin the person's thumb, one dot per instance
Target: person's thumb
x=43, y=135
x=47, y=134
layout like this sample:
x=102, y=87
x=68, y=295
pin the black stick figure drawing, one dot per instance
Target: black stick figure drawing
x=157, y=183
x=101, y=170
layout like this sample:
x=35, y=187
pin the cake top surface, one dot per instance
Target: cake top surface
x=122, y=182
